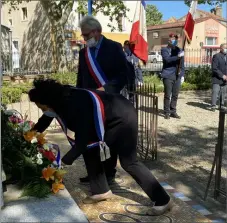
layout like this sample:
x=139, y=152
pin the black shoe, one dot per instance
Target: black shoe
x=175, y=115
x=84, y=179
x=110, y=180
x=167, y=116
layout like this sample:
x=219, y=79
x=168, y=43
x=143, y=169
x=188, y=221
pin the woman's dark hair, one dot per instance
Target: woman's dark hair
x=47, y=92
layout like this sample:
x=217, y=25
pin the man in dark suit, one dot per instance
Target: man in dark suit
x=108, y=54
x=172, y=57
x=219, y=76
x=111, y=59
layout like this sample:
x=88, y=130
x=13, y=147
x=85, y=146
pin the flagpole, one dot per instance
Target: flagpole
x=180, y=62
x=89, y=7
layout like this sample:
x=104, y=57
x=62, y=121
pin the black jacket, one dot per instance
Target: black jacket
x=171, y=62
x=111, y=59
x=76, y=110
x=219, y=68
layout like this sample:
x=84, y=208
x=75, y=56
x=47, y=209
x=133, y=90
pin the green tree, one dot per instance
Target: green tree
x=58, y=12
x=209, y=2
x=153, y=15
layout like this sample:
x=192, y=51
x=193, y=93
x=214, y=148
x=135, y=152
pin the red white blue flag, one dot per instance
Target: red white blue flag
x=138, y=35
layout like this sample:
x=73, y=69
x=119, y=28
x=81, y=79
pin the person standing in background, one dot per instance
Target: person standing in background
x=172, y=74
x=219, y=76
x=135, y=62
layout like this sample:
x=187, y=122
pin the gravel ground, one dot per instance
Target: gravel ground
x=186, y=149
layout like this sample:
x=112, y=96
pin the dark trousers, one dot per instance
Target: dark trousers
x=171, y=92
x=216, y=92
x=123, y=140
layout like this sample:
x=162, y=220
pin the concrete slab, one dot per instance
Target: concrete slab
x=56, y=208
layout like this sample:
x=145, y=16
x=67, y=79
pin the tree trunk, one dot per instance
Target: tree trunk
x=54, y=50
x=61, y=49
x=57, y=21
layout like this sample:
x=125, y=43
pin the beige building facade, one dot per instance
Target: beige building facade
x=209, y=33
x=30, y=30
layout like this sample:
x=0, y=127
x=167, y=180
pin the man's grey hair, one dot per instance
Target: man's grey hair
x=90, y=23
x=222, y=45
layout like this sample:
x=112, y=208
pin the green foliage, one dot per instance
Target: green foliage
x=36, y=188
x=153, y=15
x=199, y=75
x=195, y=79
x=209, y=2
x=11, y=94
x=115, y=10
x=154, y=79
x=64, y=78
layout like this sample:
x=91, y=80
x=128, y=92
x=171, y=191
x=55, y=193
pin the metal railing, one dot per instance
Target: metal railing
x=145, y=101
x=41, y=62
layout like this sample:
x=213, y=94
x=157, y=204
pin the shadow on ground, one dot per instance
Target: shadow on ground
x=195, y=149
x=199, y=105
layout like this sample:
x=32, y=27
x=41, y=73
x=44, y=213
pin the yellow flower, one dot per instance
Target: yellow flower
x=28, y=136
x=59, y=174
x=48, y=173
x=57, y=186
x=41, y=139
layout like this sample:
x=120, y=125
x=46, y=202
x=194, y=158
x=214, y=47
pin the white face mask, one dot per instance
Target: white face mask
x=91, y=42
x=225, y=50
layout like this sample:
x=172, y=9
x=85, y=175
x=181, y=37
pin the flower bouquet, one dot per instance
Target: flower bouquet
x=28, y=158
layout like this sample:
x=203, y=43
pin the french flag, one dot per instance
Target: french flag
x=190, y=21
x=138, y=36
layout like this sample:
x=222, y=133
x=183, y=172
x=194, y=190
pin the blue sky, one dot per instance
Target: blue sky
x=178, y=8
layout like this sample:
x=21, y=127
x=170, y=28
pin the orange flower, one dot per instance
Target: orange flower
x=48, y=173
x=28, y=136
x=41, y=139
x=57, y=186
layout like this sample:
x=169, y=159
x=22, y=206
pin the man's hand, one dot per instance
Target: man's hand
x=101, y=89
x=182, y=79
x=181, y=54
x=225, y=77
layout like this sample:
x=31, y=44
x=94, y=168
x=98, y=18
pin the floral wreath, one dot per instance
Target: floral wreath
x=28, y=158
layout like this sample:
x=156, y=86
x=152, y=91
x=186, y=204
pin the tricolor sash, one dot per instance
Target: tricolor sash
x=94, y=68
x=99, y=116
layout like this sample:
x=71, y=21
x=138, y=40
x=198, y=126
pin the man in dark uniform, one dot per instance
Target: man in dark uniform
x=172, y=76
x=219, y=76
x=75, y=108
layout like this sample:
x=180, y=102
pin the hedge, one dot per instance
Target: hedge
x=11, y=95
x=195, y=79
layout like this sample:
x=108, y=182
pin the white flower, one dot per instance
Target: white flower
x=39, y=162
x=39, y=156
x=54, y=163
x=34, y=140
x=46, y=146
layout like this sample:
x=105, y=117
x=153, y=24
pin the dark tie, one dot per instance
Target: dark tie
x=92, y=50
